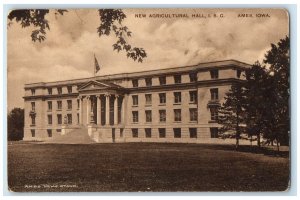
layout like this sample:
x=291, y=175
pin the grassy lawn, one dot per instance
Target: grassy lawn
x=143, y=167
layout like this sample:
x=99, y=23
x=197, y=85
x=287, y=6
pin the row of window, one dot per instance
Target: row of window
x=163, y=115
x=59, y=105
x=177, y=115
x=59, y=90
x=135, y=100
x=148, y=132
x=135, y=116
x=177, y=97
x=214, y=74
x=148, y=114
x=162, y=98
x=163, y=80
x=176, y=132
x=59, y=119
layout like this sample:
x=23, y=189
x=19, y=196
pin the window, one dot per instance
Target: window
x=214, y=113
x=162, y=98
x=32, y=133
x=177, y=132
x=32, y=106
x=69, y=89
x=32, y=92
x=49, y=119
x=214, y=73
x=69, y=116
x=148, y=132
x=135, y=83
x=177, y=79
x=162, y=132
x=49, y=105
x=214, y=93
x=214, y=132
x=121, y=132
x=177, y=115
x=148, y=82
x=193, y=132
x=238, y=73
x=162, y=80
x=32, y=120
x=50, y=91
x=135, y=132
x=59, y=90
x=58, y=130
x=148, y=115
x=148, y=99
x=59, y=119
x=162, y=115
x=193, y=77
x=78, y=118
x=135, y=116
x=193, y=96
x=49, y=131
x=59, y=105
x=177, y=97
x=135, y=100
x=69, y=104
x=193, y=114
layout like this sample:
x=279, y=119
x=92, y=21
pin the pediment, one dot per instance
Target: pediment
x=97, y=85
x=94, y=85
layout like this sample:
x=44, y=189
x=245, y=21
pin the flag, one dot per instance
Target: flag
x=97, y=66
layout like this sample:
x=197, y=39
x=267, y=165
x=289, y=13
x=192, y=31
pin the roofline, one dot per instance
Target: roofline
x=125, y=75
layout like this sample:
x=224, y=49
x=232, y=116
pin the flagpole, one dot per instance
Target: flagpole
x=94, y=66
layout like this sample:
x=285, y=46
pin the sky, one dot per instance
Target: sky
x=72, y=41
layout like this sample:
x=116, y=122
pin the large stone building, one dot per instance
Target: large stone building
x=167, y=105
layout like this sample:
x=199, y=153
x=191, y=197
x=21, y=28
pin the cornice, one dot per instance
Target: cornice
x=55, y=96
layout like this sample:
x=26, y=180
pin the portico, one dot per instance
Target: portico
x=100, y=104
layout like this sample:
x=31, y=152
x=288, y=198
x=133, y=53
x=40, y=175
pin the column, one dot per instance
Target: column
x=80, y=110
x=124, y=104
x=88, y=109
x=107, y=109
x=116, y=109
x=98, y=109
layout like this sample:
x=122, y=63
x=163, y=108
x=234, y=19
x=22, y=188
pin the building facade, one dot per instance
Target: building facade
x=167, y=105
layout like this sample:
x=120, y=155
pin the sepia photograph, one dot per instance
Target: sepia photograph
x=148, y=100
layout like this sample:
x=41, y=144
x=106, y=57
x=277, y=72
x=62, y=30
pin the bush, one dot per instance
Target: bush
x=15, y=124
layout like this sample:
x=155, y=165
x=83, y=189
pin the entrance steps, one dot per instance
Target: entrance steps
x=76, y=136
x=101, y=134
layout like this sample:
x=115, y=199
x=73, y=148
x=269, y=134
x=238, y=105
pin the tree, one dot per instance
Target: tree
x=255, y=102
x=111, y=21
x=231, y=114
x=278, y=60
x=267, y=96
x=272, y=127
x=15, y=124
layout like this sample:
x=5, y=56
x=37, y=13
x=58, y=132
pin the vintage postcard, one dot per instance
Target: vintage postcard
x=148, y=100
